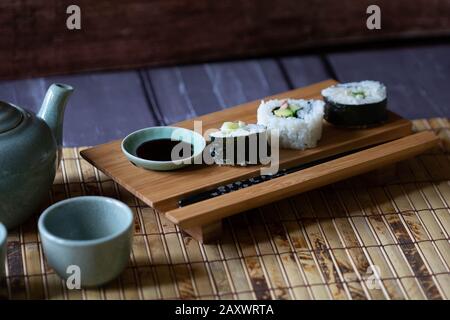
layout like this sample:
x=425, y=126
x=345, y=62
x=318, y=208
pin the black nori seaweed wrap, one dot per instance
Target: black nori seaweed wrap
x=224, y=150
x=355, y=116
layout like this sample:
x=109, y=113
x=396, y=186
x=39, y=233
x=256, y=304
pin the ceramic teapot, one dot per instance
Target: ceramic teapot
x=30, y=151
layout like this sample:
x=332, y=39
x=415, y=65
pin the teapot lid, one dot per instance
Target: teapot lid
x=10, y=117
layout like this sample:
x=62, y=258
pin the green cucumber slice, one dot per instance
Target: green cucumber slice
x=285, y=113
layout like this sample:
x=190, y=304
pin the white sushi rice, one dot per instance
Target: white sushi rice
x=356, y=93
x=295, y=132
x=243, y=129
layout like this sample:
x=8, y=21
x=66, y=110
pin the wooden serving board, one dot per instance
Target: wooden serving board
x=163, y=190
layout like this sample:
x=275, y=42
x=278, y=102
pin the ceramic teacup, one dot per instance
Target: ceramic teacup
x=135, y=139
x=3, y=241
x=90, y=235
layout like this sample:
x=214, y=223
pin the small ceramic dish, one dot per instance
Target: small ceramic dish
x=90, y=233
x=3, y=240
x=135, y=139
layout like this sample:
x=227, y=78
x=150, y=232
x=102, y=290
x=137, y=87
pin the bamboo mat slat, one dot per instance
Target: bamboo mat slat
x=323, y=244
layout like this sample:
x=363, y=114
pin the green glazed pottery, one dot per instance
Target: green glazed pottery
x=135, y=139
x=91, y=233
x=29, y=154
x=3, y=241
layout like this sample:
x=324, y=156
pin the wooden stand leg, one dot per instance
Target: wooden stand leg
x=207, y=233
x=382, y=175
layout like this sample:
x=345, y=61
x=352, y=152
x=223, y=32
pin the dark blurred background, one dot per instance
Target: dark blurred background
x=139, y=63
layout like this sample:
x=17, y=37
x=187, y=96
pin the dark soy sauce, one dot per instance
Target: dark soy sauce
x=161, y=150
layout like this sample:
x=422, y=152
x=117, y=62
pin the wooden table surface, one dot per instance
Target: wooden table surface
x=109, y=105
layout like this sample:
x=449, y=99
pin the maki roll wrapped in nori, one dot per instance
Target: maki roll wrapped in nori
x=356, y=104
x=238, y=143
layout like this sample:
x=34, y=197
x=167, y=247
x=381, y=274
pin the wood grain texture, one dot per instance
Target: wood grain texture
x=118, y=34
x=206, y=233
x=302, y=70
x=185, y=92
x=103, y=107
x=248, y=198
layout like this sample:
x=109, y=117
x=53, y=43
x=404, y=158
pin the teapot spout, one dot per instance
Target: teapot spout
x=53, y=107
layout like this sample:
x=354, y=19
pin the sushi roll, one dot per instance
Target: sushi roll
x=356, y=104
x=299, y=121
x=238, y=143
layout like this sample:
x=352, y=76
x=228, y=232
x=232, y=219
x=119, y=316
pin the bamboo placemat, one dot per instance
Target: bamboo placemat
x=323, y=244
